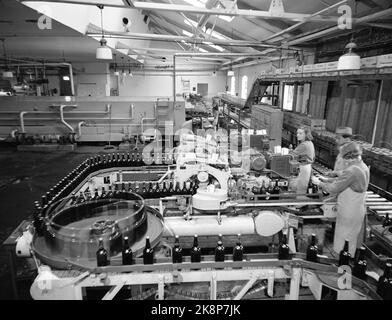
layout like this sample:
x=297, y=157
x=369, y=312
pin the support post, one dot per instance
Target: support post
x=294, y=283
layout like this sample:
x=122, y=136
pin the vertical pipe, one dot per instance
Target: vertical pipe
x=377, y=112
x=174, y=80
x=71, y=79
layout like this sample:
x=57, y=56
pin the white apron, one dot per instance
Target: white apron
x=349, y=219
x=302, y=180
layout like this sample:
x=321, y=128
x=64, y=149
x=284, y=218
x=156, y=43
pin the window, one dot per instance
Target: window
x=288, y=97
x=244, y=87
x=232, y=86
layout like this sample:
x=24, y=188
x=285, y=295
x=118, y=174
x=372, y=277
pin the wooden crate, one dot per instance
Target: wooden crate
x=270, y=118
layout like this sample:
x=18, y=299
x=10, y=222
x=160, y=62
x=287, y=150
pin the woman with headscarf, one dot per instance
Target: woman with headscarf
x=350, y=187
x=305, y=154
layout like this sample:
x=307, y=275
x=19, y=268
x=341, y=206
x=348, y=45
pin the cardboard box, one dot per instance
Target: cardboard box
x=384, y=61
x=307, y=68
x=369, y=62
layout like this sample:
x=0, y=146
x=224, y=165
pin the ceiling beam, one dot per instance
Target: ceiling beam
x=197, y=40
x=318, y=34
x=298, y=17
x=380, y=25
x=299, y=24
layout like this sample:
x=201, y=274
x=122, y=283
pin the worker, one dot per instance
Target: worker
x=306, y=155
x=343, y=136
x=350, y=187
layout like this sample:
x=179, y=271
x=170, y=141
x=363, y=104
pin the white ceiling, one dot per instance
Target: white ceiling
x=24, y=40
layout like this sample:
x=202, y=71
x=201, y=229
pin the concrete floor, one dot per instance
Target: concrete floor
x=24, y=178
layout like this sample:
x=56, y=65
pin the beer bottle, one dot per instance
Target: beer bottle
x=96, y=195
x=81, y=198
x=276, y=189
x=195, y=251
x=110, y=192
x=312, y=251
x=263, y=190
x=177, y=189
x=384, y=284
x=102, y=255
x=284, y=250
x=103, y=193
x=171, y=190
x=238, y=250
x=220, y=250
x=270, y=190
x=344, y=256
x=387, y=221
x=148, y=252
x=165, y=191
x=177, y=251
x=127, y=256
x=360, y=264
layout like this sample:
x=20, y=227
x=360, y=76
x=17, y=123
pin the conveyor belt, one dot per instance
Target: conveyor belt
x=375, y=203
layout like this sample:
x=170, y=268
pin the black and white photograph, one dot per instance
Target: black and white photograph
x=198, y=157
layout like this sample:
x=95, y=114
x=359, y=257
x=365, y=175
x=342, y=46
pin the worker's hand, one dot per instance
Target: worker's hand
x=322, y=179
x=316, y=181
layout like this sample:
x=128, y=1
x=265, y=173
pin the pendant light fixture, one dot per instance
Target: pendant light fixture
x=350, y=60
x=103, y=52
x=6, y=73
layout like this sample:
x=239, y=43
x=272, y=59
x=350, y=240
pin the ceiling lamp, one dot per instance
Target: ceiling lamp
x=230, y=73
x=350, y=60
x=103, y=52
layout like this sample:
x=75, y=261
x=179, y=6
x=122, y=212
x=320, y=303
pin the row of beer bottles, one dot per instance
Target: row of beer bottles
x=151, y=189
x=177, y=257
x=127, y=159
x=360, y=264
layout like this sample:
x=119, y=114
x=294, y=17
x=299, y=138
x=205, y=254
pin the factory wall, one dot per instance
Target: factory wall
x=161, y=84
x=91, y=79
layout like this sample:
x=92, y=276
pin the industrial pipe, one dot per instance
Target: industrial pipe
x=80, y=127
x=208, y=225
x=62, y=118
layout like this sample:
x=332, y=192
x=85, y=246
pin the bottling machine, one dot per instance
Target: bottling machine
x=202, y=188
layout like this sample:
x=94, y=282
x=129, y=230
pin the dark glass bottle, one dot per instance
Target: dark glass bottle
x=384, y=285
x=284, y=250
x=81, y=198
x=96, y=195
x=110, y=192
x=263, y=190
x=171, y=190
x=148, y=253
x=220, y=250
x=127, y=255
x=103, y=193
x=344, y=256
x=195, y=250
x=37, y=216
x=165, y=191
x=360, y=264
x=177, y=189
x=276, y=190
x=238, y=250
x=270, y=188
x=387, y=221
x=144, y=190
x=312, y=251
x=102, y=255
x=139, y=160
x=177, y=251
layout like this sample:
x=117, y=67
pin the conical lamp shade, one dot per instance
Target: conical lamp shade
x=349, y=61
x=104, y=53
